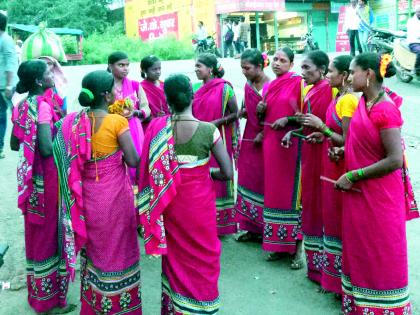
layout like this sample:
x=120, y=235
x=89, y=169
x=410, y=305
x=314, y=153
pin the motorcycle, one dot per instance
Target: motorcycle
x=404, y=60
x=207, y=45
x=309, y=41
x=382, y=40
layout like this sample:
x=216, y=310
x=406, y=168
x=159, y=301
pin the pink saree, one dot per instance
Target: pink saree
x=369, y=258
x=130, y=90
x=97, y=195
x=177, y=208
x=37, y=198
x=250, y=199
x=282, y=210
x=316, y=102
x=332, y=210
x=209, y=104
x=156, y=97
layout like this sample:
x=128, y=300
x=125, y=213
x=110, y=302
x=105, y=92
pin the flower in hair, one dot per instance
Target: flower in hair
x=123, y=107
x=266, y=59
x=383, y=65
x=219, y=67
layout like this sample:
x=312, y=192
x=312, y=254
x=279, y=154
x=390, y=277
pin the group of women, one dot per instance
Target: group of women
x=320, y=166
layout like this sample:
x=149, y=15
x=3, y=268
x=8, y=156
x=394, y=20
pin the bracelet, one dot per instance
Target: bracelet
x=360, y=173
x=350, y=177
x=291, y=118
x=327, y=132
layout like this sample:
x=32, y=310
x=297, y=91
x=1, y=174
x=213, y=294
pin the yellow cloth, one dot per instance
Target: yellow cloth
x=346, y=105
x=105, y=139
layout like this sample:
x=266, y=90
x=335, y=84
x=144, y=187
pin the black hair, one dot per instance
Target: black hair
x=365, y=1
x=99, y=82
x=178, y=91
x=342, y=63
x=373, y=61
x=320, y=59
x=115, y=57
x=289, y=53
x=242, y=18
x=210, y=61
x=28, y=72
x=253, y=56
x=201, y=22
x=3, y=22
x=146, y=63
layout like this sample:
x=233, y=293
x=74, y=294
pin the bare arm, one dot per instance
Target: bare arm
x=131, y=157
x=232, y=113
x=222, y=157
x=143, y=104
x=391, y=140
x=45, y=140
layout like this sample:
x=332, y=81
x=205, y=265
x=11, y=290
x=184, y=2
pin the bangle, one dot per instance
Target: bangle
x=360, y=173
x=350, y=177
x=327, y=132
x=291, y=118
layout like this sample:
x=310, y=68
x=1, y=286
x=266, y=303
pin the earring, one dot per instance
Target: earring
x=344, y=82
x=367, y=82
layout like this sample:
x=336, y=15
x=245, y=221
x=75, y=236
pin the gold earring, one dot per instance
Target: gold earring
x=367, y=82
x=344, y=81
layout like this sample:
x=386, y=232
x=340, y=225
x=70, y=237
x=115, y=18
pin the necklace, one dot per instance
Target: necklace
x=369, y=104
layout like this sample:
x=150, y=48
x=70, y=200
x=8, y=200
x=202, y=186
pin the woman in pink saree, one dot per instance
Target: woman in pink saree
x=215, y=102
x=318, y=96
x=374, y=199
x=32, y=136
x=92, y=151
x=118, y=65
x=282, y=207
x=153, y=88
x=177, y=203
x=333, y=131
x=250, y=200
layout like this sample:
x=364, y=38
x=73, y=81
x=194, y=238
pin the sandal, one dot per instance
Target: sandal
x=297, y=264
x=249, y=237
x=274, y=256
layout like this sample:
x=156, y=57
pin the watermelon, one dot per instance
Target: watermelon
x=43, y=43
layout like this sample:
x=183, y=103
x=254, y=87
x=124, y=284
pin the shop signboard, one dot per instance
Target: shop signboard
x=230, y=6
x=158, y=26
x=342, y=40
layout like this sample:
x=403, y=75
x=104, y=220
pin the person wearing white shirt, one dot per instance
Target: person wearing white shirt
x=202, y=34
x=351, y=27
x=413, y=37
x=236, y=29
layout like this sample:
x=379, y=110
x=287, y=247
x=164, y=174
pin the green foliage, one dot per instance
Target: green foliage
x=98, y=46
x=90, y=16
x=69, y=44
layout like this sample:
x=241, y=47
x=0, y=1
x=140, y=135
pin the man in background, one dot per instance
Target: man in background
x=8, y=78
x=244, y=30
x=413, y=37
x=202, y=34
x=351, y=27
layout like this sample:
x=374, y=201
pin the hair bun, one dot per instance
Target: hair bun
x=21, y=88
x=84, y=99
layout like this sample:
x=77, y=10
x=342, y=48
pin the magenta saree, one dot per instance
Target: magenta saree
x=316, y=101
x=156, y=97
x=130, y=90
x=47, y=279
x=370, y=257
x=282, y=212
x=110, y=270
x=332, y=210
x=178, y=211
x=209, y=104
x=250, y=199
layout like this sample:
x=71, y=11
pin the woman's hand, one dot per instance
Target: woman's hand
x=261, y=108
x=258, y=139
x=161, y=113
x=286, y=142
x=312, y=121
x=242, y=113
x=279, y=123
x=315, y=137
x=127, y=113
x=336, y=154
x=343, y=183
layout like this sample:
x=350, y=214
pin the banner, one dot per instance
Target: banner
x=230, y=6
x=158, y=26
x=342, y=40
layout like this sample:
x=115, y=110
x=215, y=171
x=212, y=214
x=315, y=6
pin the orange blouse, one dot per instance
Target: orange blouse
x=105, y=139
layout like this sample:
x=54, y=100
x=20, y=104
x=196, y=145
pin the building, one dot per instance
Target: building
x=280, y=22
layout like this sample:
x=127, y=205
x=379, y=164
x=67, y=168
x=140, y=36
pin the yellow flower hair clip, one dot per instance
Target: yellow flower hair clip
x=383, y=65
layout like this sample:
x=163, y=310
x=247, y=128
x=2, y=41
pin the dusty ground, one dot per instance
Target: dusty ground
x=248, y=284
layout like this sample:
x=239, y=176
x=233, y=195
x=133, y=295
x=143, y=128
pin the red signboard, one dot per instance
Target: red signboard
x=158, y=26
x=229, y=6
x=342, y=40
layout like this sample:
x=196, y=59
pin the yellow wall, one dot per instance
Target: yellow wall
x=189, y=13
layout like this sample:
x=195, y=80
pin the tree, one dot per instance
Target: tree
x=88, y=16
